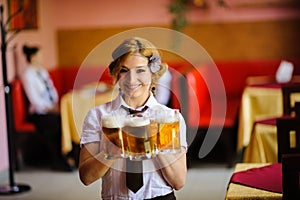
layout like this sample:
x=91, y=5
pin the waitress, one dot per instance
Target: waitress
x=136, y=68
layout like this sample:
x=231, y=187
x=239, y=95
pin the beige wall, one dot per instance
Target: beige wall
x=222, y=41
x=249, y=40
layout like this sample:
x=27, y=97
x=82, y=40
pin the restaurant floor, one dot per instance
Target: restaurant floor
x=207, y=181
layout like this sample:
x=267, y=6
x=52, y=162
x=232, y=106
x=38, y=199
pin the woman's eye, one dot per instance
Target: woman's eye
x=123, y=70
x=140, y=70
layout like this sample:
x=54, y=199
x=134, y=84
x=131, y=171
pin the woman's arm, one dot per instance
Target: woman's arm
x=92, y=164
x=173, y=167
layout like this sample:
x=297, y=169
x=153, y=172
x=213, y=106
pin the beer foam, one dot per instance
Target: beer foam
x=112, y=121
x=137, y=121
x=166, y=119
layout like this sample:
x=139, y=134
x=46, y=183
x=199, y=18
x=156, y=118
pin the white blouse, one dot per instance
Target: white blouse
x=35, y=83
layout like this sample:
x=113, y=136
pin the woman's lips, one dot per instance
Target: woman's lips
x=132, y=87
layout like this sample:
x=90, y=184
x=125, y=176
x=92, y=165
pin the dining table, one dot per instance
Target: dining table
x=258, y=102
x=259, y=140
x=237, y=191
x=74, y=106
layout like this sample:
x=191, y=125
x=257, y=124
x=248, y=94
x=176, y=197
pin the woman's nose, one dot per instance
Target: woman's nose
x=132, y=76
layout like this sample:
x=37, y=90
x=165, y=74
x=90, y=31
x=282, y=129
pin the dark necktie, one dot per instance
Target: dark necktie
x=134, y=178
x=46, y=85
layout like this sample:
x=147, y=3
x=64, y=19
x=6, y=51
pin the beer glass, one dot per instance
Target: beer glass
x=139, y=135
x=113, y=144
x=168, y=139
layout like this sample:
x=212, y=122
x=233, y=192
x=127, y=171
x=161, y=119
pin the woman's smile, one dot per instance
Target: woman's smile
x=133, y=87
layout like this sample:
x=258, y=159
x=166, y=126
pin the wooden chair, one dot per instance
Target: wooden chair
x=287, y=92
x=289, y=155
x=290, y=176
x=285, y=127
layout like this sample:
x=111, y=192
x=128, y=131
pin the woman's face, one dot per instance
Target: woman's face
x=135, y=79
x=37, y=58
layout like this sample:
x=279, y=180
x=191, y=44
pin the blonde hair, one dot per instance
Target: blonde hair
x=132, y=46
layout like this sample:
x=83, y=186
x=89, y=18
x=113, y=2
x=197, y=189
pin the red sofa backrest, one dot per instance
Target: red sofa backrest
x=233, y=76
x=67, y=78
x=20, y=108
x=235, y=73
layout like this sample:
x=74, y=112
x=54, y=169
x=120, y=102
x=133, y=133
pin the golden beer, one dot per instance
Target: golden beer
x=169, y=136
x=168, y=139
x=112, y=130
x=113, y=135
x=139, y=138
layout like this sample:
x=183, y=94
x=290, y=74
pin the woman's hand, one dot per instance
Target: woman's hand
x=173, y=167
x=53, y=109
x=92, y=163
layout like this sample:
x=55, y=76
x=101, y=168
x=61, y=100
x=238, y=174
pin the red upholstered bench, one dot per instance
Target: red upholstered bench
x=233, y=76
x=202, y=91
x=206, y=91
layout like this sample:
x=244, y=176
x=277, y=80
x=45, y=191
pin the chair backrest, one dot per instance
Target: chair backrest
x=287, y=92
x=288, y=135
x=20, y=108
x=288, y=126
x=290, y=176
